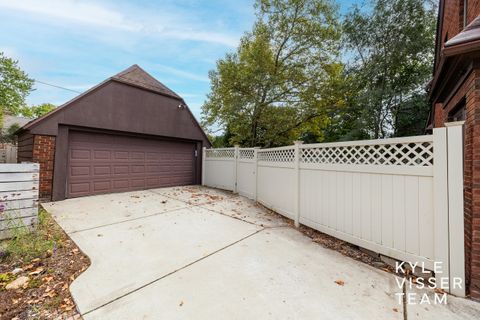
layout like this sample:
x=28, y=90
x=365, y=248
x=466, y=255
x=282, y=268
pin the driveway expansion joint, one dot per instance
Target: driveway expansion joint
x=173, y=272
x=128, y=220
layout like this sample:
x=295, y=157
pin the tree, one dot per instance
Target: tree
x=276, y=86
x=15, y=85
x=37, y=111
x=392, y=47
x=8, y=135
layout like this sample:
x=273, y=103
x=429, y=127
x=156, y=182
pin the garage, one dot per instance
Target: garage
x=129, y=132
x=105, y=163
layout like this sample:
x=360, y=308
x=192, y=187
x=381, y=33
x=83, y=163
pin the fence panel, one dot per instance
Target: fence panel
x=219, y=168
x=400, y=197
x=246, y=172
x=376, y=194
x=18, y=196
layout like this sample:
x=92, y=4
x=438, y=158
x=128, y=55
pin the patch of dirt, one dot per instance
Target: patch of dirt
x=46, y=295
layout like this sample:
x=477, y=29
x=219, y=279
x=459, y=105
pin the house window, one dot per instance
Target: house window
x=458, y=113
x=463, y=7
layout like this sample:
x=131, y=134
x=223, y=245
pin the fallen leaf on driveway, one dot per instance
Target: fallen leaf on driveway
x=181, y=303
x=439, y=291
x=395, y=309
x=340, y=282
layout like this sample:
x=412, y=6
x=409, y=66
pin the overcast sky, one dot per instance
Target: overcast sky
x=77, y=44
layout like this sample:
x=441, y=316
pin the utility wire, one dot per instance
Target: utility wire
x=53, y=85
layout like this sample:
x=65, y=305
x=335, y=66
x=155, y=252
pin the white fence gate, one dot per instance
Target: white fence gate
x=401, y=197
x=18, y=196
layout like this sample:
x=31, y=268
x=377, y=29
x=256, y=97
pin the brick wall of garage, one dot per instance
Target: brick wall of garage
x=44, y=154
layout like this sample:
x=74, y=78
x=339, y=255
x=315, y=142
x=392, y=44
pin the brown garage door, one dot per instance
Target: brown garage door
x=103, y=163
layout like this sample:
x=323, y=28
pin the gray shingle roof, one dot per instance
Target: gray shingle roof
x=139, y=77
x=9, y=120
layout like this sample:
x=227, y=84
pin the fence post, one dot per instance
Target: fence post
x=297, y=183
x=235, y=167
x=204, y=154
x=255, y=172
x=455, y=206
x=440, y=202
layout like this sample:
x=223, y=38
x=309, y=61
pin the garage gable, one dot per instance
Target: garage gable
x=130, y=101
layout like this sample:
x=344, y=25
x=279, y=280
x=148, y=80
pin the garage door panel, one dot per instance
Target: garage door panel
x=80, y=171
x=80, y=188
x=102, y=163
x=137, y=169
x=137, y=183
x=137, y=155
x=122, y=169
x=101, y=154
x=121, y=184
x=79, y=154
x=121, y=155
x=101, y=170
x=101, y=186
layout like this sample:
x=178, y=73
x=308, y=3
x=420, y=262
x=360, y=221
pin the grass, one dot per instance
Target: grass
x=26, y=245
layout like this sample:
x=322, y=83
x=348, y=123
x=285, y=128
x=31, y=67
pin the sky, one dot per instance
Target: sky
x=76, y=44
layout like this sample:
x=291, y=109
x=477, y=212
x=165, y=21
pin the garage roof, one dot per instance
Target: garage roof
x=138, y=77
x=133, y=75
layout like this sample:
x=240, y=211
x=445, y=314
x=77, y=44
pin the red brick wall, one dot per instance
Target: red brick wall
x=469, y=91
x=438, y=115
x=472, y=183
x=452, y=24
x=453, y=16
x=44, y=154
x=473, y=10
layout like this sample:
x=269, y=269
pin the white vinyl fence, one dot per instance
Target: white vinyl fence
x=18, y=196
x=401, y=197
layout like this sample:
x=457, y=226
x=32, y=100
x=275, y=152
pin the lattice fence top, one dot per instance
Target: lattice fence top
x=282, y=155
x=403, y=154
x=220, y=153
x=246, y=153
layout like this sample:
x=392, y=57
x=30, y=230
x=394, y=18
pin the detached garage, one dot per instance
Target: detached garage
x=130, y=132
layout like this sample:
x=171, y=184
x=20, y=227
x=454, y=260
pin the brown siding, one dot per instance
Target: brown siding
x=121, y=107
x=25, y=147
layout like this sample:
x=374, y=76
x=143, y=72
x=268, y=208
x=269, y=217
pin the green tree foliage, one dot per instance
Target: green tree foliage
x=279, y=84
x=15, y=85
x=392, y=47
x=8, y=134
x=37, y=111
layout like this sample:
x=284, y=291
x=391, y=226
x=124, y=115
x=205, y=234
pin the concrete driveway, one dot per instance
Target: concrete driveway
x=200, y=253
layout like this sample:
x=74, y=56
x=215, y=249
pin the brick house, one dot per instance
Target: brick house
x=455, y=96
